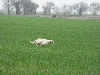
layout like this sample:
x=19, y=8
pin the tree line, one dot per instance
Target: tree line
x=27, y=7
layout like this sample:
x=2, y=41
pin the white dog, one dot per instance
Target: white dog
x=41, y=42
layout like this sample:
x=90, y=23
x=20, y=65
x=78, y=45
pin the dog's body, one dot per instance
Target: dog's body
x=41, y=42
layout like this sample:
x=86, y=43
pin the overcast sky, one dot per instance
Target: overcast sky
x=57, y=2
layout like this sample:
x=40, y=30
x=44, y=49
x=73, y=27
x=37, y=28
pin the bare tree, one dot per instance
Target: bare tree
x=17, y=5
x=48, y=7
x=33, y=7
x=25, y=6
x=64, y=7
x=94, y=8
x=29, y=7
x=57, y=10
x=67, y=9
x=12, y=3
x=45, y=9
x=75, y=7
x=7, y=5
x=82, y=7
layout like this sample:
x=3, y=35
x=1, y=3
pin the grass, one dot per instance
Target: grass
x=75, y=52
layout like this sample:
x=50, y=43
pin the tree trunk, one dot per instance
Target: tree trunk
x=8, y=8
x=17, y=9
x=49, y=12
x=64, y=14
x=23, y=11
x=95, y=13
x=74, y=14
x=34, y=12
x=8, y=11
x=80, y=12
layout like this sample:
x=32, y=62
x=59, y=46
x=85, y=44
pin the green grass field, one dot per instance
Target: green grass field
x=76, y=50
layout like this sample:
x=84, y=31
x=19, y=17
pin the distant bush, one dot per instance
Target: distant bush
x=53, y=15
x=1, y=13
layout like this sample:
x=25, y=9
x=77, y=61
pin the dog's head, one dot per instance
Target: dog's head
x=51, y=42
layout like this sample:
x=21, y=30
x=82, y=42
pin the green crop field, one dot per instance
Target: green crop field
x=76, y=50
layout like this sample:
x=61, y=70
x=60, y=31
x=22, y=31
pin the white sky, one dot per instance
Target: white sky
x=57, y=2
